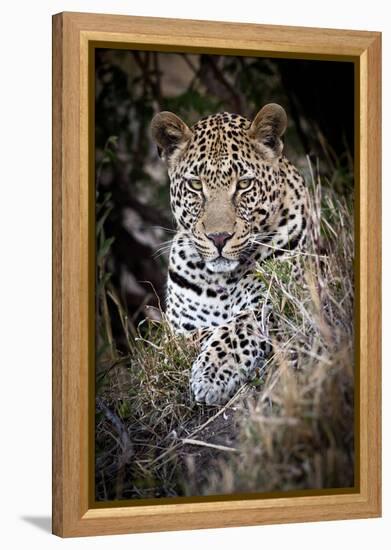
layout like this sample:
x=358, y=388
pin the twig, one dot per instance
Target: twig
x=210, y=77
x=211, y=445
x=190, y=64
x=109, y=332
x=284, y=421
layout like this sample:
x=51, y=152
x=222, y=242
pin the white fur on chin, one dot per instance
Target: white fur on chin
x=222, y=265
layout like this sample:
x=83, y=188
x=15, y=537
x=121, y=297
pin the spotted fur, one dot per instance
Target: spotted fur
x=236, y=201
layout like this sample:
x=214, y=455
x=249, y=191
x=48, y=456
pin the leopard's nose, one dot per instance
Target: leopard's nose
x=219, y=239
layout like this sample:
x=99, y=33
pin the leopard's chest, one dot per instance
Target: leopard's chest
x=197, y=298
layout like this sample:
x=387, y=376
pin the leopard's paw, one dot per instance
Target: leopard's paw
x=212, y=384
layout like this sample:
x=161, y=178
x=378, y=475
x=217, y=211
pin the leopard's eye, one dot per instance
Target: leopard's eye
x=244, y=184
x=195, y=184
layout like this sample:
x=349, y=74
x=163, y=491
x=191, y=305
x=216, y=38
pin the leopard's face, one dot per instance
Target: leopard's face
x=224, y=180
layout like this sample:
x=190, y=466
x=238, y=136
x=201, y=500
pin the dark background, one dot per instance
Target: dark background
x=133, y=216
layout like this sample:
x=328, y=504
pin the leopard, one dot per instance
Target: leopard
x=236, y=201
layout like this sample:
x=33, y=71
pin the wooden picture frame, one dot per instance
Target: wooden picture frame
x=75, y=35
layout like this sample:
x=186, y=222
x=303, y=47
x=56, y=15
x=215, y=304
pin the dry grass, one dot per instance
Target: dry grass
x=290, y=430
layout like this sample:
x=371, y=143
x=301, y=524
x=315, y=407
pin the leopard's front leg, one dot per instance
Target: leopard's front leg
x=228, y=358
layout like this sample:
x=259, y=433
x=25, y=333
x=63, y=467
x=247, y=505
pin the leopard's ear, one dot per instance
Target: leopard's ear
x=170, y=133
x=268, y=127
